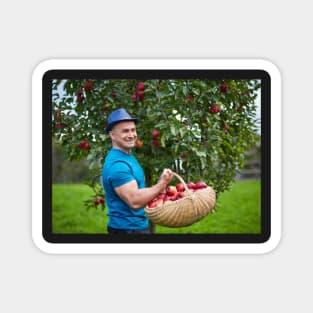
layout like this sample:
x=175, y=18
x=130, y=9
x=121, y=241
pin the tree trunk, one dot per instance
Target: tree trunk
x=148, y=181
x=152, y=227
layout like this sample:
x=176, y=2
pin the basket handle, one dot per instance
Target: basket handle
x=183, y=182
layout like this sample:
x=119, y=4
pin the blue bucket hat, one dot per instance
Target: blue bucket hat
x=117, y=116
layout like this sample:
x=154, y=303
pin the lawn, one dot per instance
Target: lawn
x=239, y=211
x=69, y=214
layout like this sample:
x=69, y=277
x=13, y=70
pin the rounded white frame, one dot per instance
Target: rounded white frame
x=157, y=248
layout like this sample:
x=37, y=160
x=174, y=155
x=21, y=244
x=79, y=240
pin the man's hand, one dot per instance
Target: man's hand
x=166, y=176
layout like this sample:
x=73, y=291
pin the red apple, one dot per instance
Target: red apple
x=155, y=133
x=84, y=145
x=87, y=86
x=224, y=88
x=200, y=185
x=152, y=204
x=156, y=143
x=141, y=86
x=96, y=202
x=215, y=109
x=171, y=191
x=80, y=97
x=140, y=95
x=191, y=185
x=180, y=187
x=138, y=144
x=162, y=196
x=134, y=97
x=181, y=194
x=172, y=198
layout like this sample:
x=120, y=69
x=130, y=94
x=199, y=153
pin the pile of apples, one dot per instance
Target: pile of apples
x=174, y=193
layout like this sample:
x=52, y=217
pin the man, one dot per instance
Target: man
x=123, y=179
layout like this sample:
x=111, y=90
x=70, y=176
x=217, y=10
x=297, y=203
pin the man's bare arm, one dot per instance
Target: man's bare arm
x=139, y=197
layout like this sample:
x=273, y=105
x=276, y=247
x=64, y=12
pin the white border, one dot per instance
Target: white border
x=207, y=248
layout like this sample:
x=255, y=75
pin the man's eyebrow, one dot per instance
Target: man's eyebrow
x=127, y=129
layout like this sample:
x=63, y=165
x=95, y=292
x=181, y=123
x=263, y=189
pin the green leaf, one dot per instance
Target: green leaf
x=158, y=94
x=163, y=140
x=176, y=149
x=182, y=132
x=200, y=154
x=203, y=163
x=173, y=130
x=196, y=91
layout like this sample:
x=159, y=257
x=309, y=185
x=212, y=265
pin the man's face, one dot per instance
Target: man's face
x=124, y=136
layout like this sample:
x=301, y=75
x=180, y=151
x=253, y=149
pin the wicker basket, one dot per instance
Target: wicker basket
x=185, y=211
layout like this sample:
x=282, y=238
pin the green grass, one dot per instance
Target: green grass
x=69, y=214
x=238, y=212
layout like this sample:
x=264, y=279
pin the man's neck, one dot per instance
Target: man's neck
x=127, y=151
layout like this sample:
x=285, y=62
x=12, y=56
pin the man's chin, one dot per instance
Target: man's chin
x=131, y=145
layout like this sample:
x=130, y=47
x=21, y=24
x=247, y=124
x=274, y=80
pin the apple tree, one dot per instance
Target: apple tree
x=199, y=128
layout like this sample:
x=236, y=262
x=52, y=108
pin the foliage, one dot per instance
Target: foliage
x=205, y=126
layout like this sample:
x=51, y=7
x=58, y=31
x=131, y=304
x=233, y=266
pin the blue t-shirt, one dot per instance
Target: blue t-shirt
x=120, y=168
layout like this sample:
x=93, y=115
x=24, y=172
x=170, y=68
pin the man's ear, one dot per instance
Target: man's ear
x=111, y=134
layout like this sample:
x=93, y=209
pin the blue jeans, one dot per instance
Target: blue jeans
x=128, y=231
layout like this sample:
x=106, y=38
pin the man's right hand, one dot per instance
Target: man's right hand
x=166, y=176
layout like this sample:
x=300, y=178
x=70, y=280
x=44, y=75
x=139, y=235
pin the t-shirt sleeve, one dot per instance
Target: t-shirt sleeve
x=119, y=174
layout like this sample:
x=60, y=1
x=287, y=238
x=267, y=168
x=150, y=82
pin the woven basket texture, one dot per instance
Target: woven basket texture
x=185, y=211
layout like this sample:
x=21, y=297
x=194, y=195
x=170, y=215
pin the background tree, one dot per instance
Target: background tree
x=65, y=171
x=199, y=128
